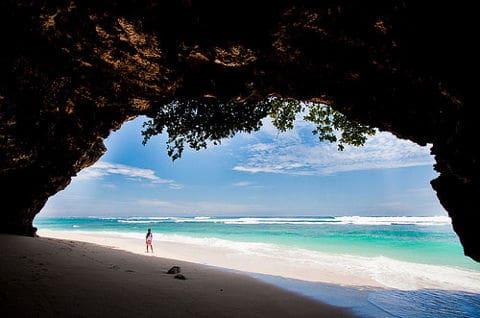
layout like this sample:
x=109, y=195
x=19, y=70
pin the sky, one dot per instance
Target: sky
x=266, y=173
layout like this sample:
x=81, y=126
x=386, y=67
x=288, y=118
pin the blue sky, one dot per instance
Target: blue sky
x=264, y=173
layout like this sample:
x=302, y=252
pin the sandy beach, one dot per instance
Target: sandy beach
x=225, y=256
x=50, y=277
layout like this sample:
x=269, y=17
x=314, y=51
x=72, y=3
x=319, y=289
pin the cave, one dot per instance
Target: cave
x=73, y=71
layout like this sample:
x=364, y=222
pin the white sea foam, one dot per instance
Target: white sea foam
x=146, y=219
x=339, y=220
x=386, y=271
x=392, y=220
x=390, y=272
x=318, y=220
x=140, y=221
x=150, y=217
x=412, y=276
x=202, y=218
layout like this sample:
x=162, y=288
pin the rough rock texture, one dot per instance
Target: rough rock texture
x=174, y=270
x=72, y=71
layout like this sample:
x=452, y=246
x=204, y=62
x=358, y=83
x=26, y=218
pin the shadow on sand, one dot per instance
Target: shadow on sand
x=379, y=302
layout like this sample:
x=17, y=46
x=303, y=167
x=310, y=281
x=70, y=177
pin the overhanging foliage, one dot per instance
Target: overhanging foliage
x=196, y=122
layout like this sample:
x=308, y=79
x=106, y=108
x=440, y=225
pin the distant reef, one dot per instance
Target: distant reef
x=73, y=71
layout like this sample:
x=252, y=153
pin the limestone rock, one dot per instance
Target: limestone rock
x=73, y=71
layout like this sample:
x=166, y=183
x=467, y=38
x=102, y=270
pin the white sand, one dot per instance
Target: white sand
x=45, y=277
x=223, y=256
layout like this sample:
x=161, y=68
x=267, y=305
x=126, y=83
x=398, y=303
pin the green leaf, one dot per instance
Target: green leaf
x=196, y=122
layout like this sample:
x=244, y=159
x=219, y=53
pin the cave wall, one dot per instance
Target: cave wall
x=72, y=71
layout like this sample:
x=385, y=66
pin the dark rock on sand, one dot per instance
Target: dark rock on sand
x=174, y=270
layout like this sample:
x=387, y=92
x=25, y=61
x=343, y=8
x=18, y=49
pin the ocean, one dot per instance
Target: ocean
x=418, y=260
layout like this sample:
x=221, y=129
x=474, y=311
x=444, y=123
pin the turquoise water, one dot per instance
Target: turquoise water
x=419, y=260
x=428, y=240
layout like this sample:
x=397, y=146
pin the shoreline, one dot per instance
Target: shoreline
x=328, y=281
x=62, y=277
x=98, y=263
x=269, y=259
x=222, y=257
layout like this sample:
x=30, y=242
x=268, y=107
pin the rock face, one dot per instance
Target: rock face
x=72, y=71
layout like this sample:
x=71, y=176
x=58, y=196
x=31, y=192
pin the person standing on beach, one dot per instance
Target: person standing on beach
x=148, y=239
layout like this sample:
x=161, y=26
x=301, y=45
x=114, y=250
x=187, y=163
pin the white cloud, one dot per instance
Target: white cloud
x=102, y=169
x=295, y=155
x=242, y=184
x=262, y=147
x=269, y=169
x=90, y=173
x=175, y=186
x=248, y=185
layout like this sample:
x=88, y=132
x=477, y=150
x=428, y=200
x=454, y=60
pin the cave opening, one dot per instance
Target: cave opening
x=265, y=178
x=73, y=71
